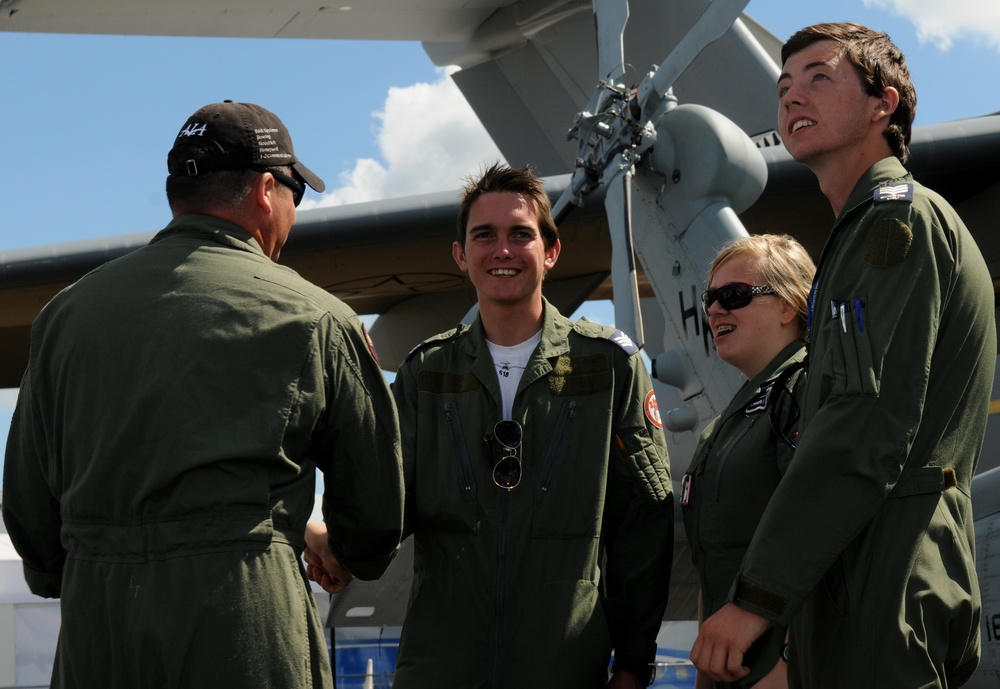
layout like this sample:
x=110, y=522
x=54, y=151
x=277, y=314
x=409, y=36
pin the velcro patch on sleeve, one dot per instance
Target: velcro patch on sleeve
x=888, y=243
x=759, y=597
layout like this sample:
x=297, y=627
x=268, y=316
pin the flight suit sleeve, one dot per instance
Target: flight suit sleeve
x=363, y=496
x=638, y=522
x=404, y=390
x=30, y=505
x=871, y=363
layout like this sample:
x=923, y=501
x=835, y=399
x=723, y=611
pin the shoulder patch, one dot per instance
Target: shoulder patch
x=371, y=345
x=652, y=409
x=887, y=243
x=624, y=341
x=894, y=192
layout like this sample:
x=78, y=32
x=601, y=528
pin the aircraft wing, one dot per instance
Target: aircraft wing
x=393, y=257
x=527, y=68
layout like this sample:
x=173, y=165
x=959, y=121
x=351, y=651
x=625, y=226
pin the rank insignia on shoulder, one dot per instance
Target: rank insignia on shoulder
x=624, y=341
x=894, y=192
x=760, y=400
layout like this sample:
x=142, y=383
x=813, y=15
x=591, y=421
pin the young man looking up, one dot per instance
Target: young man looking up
x=867, y=546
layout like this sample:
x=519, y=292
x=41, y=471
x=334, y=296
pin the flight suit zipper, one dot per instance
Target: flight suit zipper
x=729, y=453
x=464, y=463
x=499, y=581
x=567, y=413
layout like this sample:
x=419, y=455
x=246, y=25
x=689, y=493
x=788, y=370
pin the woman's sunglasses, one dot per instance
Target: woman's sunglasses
x=735, y=295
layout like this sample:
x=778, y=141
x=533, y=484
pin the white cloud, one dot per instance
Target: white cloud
x=943, y=23
x=430, y=140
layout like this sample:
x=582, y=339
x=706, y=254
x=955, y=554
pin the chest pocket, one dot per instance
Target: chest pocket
x=444, y=491
x=570, y=491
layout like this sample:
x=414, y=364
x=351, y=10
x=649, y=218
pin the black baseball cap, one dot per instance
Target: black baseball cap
x=235, y=136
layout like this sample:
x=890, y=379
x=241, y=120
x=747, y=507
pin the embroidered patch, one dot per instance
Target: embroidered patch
x=371, y=345
x=582, y=375
x=652, y=409
x=894, y=192
x=624, y=341
x=888, y=243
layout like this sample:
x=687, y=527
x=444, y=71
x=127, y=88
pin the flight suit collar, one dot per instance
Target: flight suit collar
x=211, y=228
x=884, y=171
x=793, y=352
x=555, y=343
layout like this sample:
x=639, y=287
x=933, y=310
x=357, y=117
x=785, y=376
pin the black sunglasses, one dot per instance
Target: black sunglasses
x=297, y=187
x=507, y=472
x=735, y=295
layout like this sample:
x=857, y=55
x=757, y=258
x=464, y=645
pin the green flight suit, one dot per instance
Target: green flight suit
x=736, y=467
x=161, y=464
x=507, y=584
x=867, y=545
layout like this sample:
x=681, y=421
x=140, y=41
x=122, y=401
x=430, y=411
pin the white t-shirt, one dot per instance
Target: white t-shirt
x=510, y=363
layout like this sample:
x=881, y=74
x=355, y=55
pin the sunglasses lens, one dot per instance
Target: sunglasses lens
x=508, y=433
x=507, y=472
x=297, y=188
x=735, y=296
x=730, y=297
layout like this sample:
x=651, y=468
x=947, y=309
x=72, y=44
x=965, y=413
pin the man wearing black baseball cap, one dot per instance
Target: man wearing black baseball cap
x=249, y=143
x=160, y=467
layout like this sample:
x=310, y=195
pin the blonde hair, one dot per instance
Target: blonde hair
x=783, y=264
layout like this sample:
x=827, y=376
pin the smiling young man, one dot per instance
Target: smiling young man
x=532, y=448
x=867, y=545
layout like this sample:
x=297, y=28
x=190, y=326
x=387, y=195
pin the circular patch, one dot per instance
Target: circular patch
x=652, y=409
x=888, y=243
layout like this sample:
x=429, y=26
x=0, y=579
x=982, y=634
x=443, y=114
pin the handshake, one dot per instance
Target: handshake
x=321, y=566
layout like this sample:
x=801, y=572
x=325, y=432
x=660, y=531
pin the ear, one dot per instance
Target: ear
x=552, y=255
x=263, y=191
x=788, y=313
x=886, y=104
x=458, y=253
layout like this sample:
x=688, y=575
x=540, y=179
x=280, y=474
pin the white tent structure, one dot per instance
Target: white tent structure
x=29, y=625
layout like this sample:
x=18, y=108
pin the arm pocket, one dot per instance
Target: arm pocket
x=854, y=363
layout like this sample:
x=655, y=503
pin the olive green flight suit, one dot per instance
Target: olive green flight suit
x=736, y=467
x=508, y=585
x=867, y=545
x=160, y=467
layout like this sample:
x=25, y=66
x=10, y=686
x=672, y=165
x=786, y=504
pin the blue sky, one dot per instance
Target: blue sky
x=87, y=120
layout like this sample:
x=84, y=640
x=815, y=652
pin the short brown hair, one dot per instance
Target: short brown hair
x=499, y=178
x=878, y=62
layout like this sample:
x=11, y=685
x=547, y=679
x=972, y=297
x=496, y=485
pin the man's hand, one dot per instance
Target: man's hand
x=723, y=639
x=321, y=566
